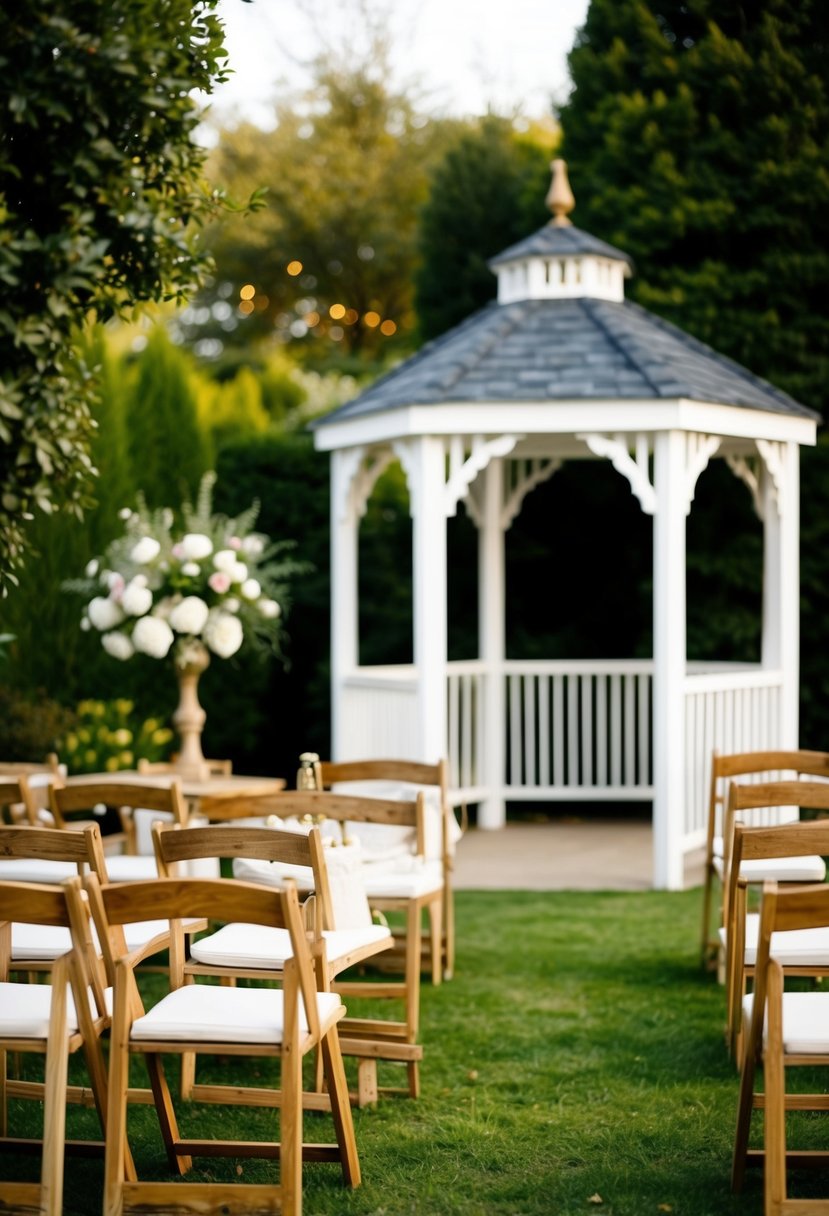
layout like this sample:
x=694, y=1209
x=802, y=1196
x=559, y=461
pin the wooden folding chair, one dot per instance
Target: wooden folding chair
x=245, y=951
x=55, y=1021
x=136, y=804
x=784, y=1030
x=755, y=852
x=216, y=768
x=403, y=778
x=284, y=1024
x=773, y=765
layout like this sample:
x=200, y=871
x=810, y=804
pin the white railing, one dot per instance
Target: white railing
x=579, y=729
x=379, y=714
x=735, y=708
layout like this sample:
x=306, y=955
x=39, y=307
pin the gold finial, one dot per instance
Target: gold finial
x=560, y=198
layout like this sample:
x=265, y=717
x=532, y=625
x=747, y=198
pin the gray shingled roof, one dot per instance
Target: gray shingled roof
x=554, y=350
x=559, y=241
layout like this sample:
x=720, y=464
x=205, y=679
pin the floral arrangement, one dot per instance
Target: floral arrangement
x=203, y=587
x=107, y=736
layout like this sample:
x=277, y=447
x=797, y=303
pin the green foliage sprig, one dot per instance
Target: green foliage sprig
x=101, y=195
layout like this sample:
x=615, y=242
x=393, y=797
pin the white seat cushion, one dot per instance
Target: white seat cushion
x=805, y=1021
x=792, y=947
x=128, y=867
x=785, y=869
x=242, y=945
x=211, y=1013
x=344, y=864
x=25, y=869
x=407, y=879
x=25, y=1010
x=45, y=943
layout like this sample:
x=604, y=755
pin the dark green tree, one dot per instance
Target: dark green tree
x=697, y=139
x=168, y=451
x=486, y=193
x=100, y=187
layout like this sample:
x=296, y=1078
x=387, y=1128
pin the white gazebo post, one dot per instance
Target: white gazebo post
x=491, y=583
x=780, y=500
x=345, y=521
x=424, y=462
x=669, y=658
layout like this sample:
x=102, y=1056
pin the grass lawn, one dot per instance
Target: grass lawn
x=575, y=1064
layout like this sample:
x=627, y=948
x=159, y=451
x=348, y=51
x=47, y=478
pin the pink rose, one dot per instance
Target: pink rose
x=178, y=550
x=219, y=581
x=234, y=543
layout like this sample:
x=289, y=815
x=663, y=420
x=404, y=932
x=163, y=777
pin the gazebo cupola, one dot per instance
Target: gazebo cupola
x=562, y=368
x=560, y=262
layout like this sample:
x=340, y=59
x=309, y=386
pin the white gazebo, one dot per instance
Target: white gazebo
x=561, y=367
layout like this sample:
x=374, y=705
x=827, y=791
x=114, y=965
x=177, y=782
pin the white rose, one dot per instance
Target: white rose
x=125, y=513
x=191, y=569
x=104, y=613
x=145, y=550
x=196, y=545
x=270, y=609
x=238, y=572
x=231, y=604
x=86, y=624
x=225, y=560
x=189, y=615
x=250, y=589
x=253, y=546
x=152, y=636
x=118, y=645
x=92, y=568
x=223, y=634
x=136, y=599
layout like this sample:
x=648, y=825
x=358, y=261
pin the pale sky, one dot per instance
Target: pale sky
x=467, y=54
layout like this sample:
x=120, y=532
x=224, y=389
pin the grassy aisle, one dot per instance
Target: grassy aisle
x=576, y=1064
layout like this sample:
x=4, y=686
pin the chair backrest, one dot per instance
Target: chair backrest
x=82, y=848
x=12, y=798
x=216, y=768
x=124, y=797
x=771, y=765
x=219, y=899
x=174, y=845
x=440, y=828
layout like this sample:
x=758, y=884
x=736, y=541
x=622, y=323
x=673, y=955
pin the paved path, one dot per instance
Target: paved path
x=587, y=855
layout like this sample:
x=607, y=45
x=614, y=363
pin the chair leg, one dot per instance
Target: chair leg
x=745, y=1105
x=179, y=1163
x=774, y=1080
x=436, y=936
x=449, y=930
x=290, y=1123
x=413, y=963
x=54, y=1103
x=705, y=947
x=341, y=1107
x=4, y=1099
x=367, y=1091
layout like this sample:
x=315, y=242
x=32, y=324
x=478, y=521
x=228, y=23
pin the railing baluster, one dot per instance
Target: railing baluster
x=586, y=687
x=558, y=730
x=601, y=730
x=544, y=730
x=572, y=729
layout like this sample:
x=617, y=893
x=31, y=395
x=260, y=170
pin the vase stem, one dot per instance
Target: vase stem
x=189, y=719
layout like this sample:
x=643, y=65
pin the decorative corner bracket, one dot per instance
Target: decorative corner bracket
x=525, y=475
x=749, y=470
x=636, y=468
x=359, y=470
x=463, y=468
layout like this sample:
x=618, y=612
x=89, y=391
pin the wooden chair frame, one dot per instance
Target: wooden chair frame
x=805, y=907
x=174, y=845
x=50, y=905
x=230, y=901
x=724, y=767
x=798, y=839
x=125, y=797
x=441, y=940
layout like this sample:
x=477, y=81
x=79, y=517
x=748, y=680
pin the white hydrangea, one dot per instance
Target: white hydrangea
x=104, y=613
x=191, y=569
x=189, y=615
x=92, y=568
x=253, y=546
x=145, y=550
x=118, y=645
x=223, y=633
x=225, y=560
x=238, y=572
x=251, y=589
x=195, y=546
x=270, y=609
x=136, y=599
x=152, y=636
x=231, y=604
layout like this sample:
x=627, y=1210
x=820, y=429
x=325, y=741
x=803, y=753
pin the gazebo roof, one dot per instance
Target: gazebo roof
x=576, y=349
x=561, y=330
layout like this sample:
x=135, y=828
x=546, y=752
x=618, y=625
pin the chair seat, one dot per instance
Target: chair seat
x=45, y=943
x=25, y=869
x=784, y=869
x=261, y=946
x=805, y=1021
x=25, y=1010
x=791, y=947
x=209, y=1013
x=405, y=879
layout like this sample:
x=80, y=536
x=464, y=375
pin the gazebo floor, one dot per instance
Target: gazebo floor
x=587, y=854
